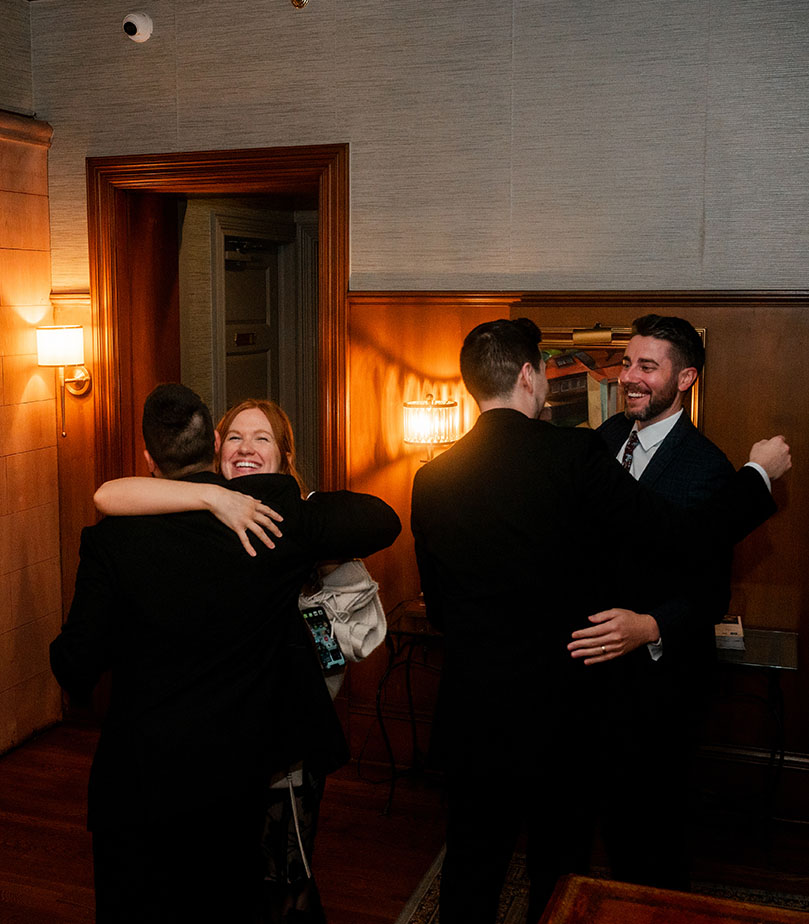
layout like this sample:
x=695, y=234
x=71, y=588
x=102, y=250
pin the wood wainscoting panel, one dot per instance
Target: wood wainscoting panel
x=31, y=479
x=25, y=381
x=27, y=426
x=29, y=536
x=25, y=279
x=29, y=526
x=34, y=591
x=24, y=221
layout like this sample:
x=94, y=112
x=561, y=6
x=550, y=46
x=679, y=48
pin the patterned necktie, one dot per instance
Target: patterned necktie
x=631, y=443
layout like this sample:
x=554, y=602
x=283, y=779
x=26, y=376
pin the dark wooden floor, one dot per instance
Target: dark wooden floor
x=45, y=864
x=367, y=864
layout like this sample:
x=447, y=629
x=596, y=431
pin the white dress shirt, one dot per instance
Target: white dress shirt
x=649, y=439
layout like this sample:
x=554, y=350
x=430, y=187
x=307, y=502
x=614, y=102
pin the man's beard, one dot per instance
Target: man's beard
x=657, y=403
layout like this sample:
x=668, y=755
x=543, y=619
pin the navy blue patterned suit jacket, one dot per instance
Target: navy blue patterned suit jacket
x=686, y=469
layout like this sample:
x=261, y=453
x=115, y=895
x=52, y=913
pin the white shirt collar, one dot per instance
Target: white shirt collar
x=652, y=436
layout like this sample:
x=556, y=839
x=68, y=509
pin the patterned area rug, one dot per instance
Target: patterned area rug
x=422, y=907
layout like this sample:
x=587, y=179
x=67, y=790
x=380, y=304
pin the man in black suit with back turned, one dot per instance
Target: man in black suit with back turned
x=215, y=683
x=511, y=526
x=660, y=683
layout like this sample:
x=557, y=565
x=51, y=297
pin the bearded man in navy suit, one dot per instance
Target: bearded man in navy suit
x=659, y=684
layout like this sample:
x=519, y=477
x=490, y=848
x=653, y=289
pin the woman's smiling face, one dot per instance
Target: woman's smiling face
x=249, y=446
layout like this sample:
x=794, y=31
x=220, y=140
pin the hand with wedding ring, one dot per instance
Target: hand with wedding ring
x=614, y=633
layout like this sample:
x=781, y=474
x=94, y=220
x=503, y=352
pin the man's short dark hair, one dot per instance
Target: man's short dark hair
x=687, y=349
x=493, y=354
x=177, y=429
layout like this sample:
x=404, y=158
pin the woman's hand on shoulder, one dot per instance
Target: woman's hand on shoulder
x=245, y=515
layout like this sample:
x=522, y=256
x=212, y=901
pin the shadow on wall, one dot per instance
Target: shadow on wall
x=388, y=381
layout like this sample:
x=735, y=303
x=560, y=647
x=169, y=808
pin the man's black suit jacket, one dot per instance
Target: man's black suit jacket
x=215, y=683
x=516, y=529
x=686, y=469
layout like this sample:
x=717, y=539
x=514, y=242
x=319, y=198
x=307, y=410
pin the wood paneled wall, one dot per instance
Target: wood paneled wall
x=30, y=604
x=402, y=345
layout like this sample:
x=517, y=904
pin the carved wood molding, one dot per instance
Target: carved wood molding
x=64, y=299
x=657, y=300
x=663, y=301
x=24, y=129
x=457, y=298
x=261, y=171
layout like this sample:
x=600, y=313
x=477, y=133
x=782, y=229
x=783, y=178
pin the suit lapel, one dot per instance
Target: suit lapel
x=615, y=433
x=666, y=452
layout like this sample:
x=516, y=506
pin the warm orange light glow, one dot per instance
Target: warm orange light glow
x=31, y=314
x=63, y=345
x=60, y=346
x=431, y=422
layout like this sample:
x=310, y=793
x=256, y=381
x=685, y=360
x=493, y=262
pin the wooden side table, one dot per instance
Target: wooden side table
x=408, y=631
x=579, y=899
x=771, y=652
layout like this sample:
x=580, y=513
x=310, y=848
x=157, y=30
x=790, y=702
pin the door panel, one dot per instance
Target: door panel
x=251, y=319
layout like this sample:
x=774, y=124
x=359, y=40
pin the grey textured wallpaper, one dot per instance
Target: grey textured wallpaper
x=524, y=144
x=15, y=57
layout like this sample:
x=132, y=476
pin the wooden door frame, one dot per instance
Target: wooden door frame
x=321, y=169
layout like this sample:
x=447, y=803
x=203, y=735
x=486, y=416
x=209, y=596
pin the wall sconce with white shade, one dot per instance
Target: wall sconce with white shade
x=60, y=346
x=431, y=423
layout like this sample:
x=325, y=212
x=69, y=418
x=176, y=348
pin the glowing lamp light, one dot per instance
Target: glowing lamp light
x=431, y=423
x=60, y=346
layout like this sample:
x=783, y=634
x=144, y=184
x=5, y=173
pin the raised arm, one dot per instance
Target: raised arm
x=139, y=496
x=345, y=524
x=772, y=455
x=136, y=496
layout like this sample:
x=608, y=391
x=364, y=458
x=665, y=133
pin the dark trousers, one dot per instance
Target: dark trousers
x=645, y=826
x=647, y=763
x=485, y=819
x=201, y=867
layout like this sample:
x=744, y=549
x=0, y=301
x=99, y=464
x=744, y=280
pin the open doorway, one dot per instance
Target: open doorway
x=133, y=233
x=248, y=309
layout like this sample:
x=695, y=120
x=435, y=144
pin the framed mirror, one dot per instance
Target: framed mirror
x=582, y=366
